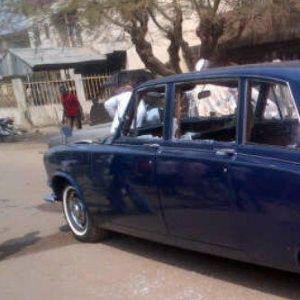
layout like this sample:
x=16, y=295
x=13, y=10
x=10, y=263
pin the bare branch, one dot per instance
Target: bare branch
x=162, y=12
x=127, y=28
x=216, y=6
x=155, y=21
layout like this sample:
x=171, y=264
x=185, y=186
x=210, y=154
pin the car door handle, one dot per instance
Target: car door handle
x=226, y=152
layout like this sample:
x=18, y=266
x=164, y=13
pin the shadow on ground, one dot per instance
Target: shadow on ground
x=17, y=245
x=270, y=281
x=52, y=208
x=32, y=243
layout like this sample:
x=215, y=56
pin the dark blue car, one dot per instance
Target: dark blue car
x=208, y=161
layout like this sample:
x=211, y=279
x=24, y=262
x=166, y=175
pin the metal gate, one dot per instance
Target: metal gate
x=97, y=87
x=44, y=98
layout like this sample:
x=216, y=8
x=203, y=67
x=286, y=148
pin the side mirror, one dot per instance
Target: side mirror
x=204, y=94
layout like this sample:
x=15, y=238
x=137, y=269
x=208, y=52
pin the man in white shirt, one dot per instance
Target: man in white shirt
x=116, y=106
x=147, y=114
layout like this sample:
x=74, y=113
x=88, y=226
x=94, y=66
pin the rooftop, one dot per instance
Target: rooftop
x=56, y=56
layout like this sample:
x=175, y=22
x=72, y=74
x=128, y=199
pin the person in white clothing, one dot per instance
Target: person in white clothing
x=116, y=106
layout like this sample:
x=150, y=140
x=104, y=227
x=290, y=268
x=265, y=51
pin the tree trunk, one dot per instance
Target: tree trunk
x=209, y=32
x=145, y=52
x=173, y=51
x=188, y=55
x=175, y=37
x=143, y=48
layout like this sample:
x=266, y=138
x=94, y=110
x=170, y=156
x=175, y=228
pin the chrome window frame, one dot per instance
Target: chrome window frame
x=132, y=102
x=265, y=79
x=212, y=79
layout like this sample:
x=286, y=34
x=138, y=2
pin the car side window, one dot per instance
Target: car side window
x=272, y=117
x=206, y=111
x=146, y=117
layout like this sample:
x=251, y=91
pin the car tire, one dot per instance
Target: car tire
x=79, y=219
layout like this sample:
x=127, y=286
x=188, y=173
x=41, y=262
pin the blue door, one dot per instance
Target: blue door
x=192, y=169
x=131, y=188
x=267, y=215
x=265, y=176
x=196, y=194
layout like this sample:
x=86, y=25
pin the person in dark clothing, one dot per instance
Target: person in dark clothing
x=98, y=114
x=72, y=109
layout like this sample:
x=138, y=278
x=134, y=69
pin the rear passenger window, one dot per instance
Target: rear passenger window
x=206, y=111
x=272, y=117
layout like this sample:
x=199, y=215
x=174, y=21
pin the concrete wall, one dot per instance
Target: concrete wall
x=51, y=114
x=40, y=115
x=11, y=112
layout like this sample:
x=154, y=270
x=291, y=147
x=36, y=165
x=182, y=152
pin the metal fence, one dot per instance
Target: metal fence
x=44, y=97
x=97, y=87
x=7, y=97
x=46, y=92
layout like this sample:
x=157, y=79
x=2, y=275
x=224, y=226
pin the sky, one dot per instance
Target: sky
x=11, y=22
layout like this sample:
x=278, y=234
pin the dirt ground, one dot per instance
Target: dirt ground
x=39, y=259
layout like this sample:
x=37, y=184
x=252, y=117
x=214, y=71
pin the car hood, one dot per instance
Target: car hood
x=86, y=135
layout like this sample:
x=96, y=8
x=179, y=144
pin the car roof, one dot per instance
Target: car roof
x=288, y=71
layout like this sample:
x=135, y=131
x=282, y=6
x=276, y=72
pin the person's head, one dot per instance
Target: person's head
x=63, y=90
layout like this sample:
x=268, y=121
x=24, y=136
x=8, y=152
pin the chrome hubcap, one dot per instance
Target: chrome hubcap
x=76, y=211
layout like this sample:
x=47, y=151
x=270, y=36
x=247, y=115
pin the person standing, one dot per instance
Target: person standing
x=72, y=114
x=116, y=106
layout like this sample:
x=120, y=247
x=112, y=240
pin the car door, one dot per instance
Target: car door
x=266, y=176
x=192, y=169
x=132, y=190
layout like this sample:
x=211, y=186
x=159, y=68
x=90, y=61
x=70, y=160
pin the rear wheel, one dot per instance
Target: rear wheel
x=78, y=217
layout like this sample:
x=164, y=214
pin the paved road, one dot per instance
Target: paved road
x=39, y=259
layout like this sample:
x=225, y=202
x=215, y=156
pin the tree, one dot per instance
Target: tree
x=218, y=21
x=228, y=21
x=133, y=17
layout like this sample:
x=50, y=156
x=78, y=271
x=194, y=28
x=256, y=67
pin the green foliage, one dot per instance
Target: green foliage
x=28, y=7
x=218, y=21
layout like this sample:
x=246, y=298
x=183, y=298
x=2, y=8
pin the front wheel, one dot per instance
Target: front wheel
x=78, y=217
